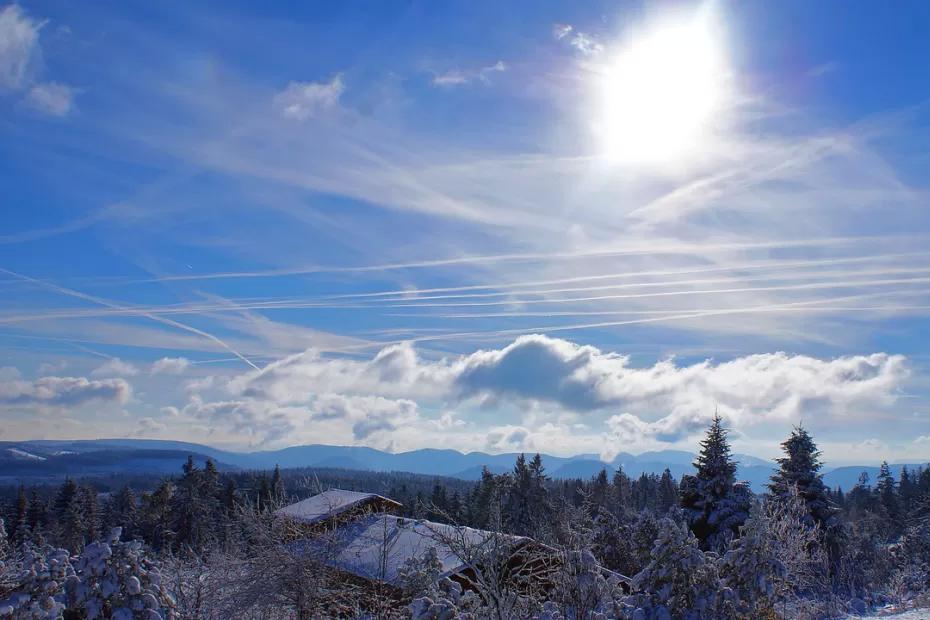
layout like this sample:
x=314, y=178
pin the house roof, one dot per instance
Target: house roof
x=377, y=546
x=329, y=504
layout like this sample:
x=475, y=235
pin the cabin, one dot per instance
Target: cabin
x=361, y=535
x=332, y=508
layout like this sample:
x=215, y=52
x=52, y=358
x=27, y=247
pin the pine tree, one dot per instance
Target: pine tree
x=667, y=492
x=20, y=524
x=90, y=510
x=122, y=511
x=277, y=485
x=38, y=513
x=69, y=516
x=800, y=468
x=714, y=504
x=623, y=489
x=519, y=519
x=888, y=499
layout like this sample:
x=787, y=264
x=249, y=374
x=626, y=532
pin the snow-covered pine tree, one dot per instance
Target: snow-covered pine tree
x=69, y=516
x=714, y=504
x=800, y=468
x=19, y=528
x=887, y=490
x=623, y=489
x=668, y=492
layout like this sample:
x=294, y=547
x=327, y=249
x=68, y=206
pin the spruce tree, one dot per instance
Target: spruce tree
x=887, y=491
x=800, y=468
x=20, y=525
x=667, y=492
x=714, y=504
x=37, y=514
x=277, y=485
x=623, y=490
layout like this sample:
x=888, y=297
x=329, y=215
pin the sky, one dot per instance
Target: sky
x=521, y=226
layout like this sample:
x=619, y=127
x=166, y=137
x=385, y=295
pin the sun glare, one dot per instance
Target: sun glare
x=661, y=91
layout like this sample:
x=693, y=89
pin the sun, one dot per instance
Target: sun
x=659, y=94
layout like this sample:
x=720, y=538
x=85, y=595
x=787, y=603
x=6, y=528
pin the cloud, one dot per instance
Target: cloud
x=19, y=47
x=48, y=368
x=459, y=77
x=150, y=425
x=368, y=414
x=303, y=100
x=663, y=402
x=21, y=64
x=115, y=367
x=581, y=42
x=63, y=391
x=395, y=371
x=170, y=366
x=51, y=98
x=170, y=412
x=745, y=389
x=560, y=31
x=9, y=373
x=506, y=439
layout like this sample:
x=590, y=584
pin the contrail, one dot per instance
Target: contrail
x=110, y=304
x=606, y=287
x=372, y=303
x=722, y=291
x=635, y=274
x=681, y=248
x=798, y=306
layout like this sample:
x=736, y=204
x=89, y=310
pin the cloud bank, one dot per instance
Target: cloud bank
x=664, y=402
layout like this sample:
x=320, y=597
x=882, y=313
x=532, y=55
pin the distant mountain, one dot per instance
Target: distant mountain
x=34, y=465
x=56, y=459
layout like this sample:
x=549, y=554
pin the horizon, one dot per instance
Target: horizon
x=833, y=464
x=522, y=228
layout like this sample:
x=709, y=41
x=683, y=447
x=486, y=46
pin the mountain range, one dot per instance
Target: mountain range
x=54, y=459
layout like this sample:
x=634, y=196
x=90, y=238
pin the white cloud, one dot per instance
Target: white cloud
x=303, y=100
x=170, y=366
x=51, y=98
x=170, y=412
x=9, y=373
x=662, y=402
x=560, y=31
x=150, y=425
x=459, y=77
x=21, y=65
x=48, y=368
x=368, y=414
x=115, y=367
x=581, y=42
x=63, y=391
x=19, y=46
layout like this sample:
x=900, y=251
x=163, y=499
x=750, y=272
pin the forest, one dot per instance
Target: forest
x=207, y=544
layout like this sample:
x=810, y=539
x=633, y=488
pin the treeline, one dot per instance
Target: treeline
x=704, y=546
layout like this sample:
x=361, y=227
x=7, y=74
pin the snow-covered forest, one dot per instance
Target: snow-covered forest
x=209, y=545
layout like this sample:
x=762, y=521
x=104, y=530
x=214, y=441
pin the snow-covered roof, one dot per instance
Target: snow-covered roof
x=377, y=546
x=328, y=504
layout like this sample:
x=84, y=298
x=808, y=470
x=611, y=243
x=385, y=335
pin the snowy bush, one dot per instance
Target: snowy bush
x=680, y=580
x=110, y=579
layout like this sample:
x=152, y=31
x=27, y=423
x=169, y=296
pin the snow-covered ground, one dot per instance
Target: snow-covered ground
x=913, y=614
x=22, y=454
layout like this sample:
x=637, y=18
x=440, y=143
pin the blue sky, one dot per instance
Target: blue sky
x=491, y=226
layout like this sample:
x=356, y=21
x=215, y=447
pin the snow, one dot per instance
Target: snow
x=913, y=614
x=22, y=454
x=327, y=504
x=376, y=547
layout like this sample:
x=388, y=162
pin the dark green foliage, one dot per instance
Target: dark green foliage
x=714, y=504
